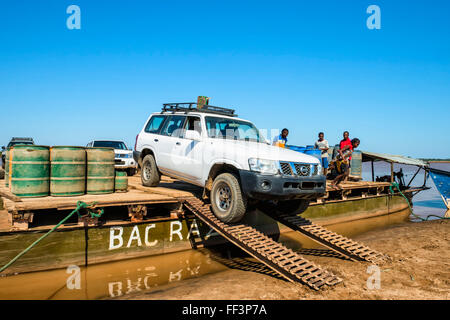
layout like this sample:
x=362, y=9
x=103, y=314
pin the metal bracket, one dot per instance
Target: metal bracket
x=22, y=219
x=137, y=212
x=85, y=219
x=177, y=213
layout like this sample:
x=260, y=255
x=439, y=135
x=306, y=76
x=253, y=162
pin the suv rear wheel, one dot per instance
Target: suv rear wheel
x=150, y=175
x=292, y=207
x=227, y=201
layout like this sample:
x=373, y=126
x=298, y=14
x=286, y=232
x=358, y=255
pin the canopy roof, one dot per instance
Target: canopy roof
x=373, y=156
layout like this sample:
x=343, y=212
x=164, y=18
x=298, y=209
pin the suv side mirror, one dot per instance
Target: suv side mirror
x=3, y=147
x=192, y=135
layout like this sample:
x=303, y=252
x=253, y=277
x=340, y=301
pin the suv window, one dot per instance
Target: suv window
x=232, y=129
x=111, y=144
x=154, y=124
x=173, y=126
x=193, y=123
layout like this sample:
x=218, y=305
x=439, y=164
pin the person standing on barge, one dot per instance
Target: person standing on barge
x=322, y=145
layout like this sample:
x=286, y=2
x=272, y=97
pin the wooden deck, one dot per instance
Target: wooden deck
x=19, y=211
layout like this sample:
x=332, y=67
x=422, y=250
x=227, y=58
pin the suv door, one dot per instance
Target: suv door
x=188, y=154
x=150, y=137
x=168, y=140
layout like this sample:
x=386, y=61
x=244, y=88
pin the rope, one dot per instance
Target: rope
x=80, y=205
x=395, y=185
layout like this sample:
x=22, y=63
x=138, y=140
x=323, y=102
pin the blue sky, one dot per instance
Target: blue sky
x=309, y=66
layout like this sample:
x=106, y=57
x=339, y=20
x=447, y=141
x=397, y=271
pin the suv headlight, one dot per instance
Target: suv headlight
x=263, y=166
x=319, y=169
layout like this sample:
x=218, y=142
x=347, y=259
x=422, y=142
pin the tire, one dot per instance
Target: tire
x=150, y=175
x=292, y=207
x=227, y=202
x=2, y=174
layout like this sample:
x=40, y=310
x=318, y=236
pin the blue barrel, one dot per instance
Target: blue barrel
x=314, y=152
x=297, y=148
x=356, y=164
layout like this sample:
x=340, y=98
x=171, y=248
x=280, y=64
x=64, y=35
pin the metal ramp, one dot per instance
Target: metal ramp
x=345, y=246
x=284, y=261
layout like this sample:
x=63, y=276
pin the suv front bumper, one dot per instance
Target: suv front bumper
x=279, y=187
x=124, y=163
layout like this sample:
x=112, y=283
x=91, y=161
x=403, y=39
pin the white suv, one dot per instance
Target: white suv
x=228, y=157
x=123, y=158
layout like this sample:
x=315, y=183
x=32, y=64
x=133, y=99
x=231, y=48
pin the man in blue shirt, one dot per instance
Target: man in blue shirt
x=281, y=140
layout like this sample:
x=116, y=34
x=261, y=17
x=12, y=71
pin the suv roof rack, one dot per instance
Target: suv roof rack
x=189, y=107
x=20, y=138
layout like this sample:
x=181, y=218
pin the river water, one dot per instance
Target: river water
x=116, y=279
x=425, y=202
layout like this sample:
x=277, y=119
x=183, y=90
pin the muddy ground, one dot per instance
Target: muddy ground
x=420, y=269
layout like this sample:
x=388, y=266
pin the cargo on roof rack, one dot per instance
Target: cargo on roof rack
x=192, y=107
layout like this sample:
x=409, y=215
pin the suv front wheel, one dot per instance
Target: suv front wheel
x=150, y=175
x=227, y=201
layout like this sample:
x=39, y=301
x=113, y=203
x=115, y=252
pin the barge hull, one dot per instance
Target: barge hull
x=115, y=241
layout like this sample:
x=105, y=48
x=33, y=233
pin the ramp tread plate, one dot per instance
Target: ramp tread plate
x=332, y=240
x=286, y=262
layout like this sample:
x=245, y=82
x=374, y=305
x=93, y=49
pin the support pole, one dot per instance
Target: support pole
x=373, y=173
x=392, y=172
x=413, y=177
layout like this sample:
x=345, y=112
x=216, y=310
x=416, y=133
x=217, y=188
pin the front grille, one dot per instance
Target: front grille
x=302, y=169
x=286, y=168
x=298, y=169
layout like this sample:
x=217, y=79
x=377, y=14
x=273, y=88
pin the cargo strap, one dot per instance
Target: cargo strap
x=80, y=206
x=284, y=261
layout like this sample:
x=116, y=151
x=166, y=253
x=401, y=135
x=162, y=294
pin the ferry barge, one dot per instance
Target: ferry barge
x=148, y=221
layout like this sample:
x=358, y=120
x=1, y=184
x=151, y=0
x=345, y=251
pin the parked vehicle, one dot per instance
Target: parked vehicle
x=12, y=142
x=228, y=157
x=123, y=155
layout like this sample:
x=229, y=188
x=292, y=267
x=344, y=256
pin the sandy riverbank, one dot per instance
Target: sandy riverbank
x=420, y=269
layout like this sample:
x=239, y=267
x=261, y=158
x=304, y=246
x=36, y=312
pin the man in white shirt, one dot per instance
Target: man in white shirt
x=322, y=144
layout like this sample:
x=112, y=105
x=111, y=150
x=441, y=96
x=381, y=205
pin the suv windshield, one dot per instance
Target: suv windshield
x=224, y=128
x=110, y=144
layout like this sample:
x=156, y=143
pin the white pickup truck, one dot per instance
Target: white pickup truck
x=228, y=157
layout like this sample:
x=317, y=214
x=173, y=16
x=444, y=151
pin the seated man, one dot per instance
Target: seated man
x=281, y=140
x=341, y=165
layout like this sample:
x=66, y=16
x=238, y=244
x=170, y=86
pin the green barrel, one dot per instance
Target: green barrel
x=7, y=168
x=356, y=164
x=121, y=184
x=67, y=171
x=29, y=174
x=100, y=170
